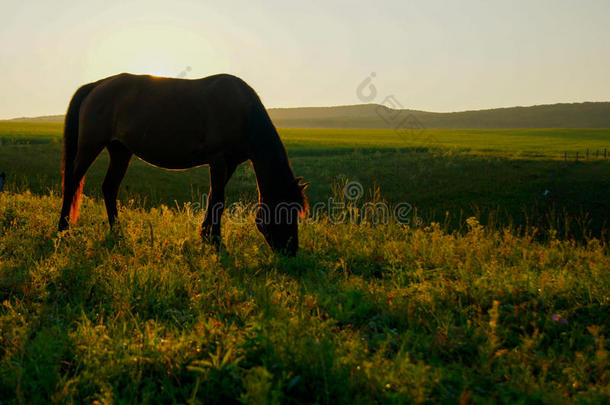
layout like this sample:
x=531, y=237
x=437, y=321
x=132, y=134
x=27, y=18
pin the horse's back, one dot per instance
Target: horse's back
x=174, y=123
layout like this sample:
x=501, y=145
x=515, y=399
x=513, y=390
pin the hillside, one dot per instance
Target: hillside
x=575, y=115
x=43, y=118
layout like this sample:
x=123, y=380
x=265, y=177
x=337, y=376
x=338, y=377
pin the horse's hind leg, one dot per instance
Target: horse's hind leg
x=119, y=161
x=221, y=171
x=85, y=156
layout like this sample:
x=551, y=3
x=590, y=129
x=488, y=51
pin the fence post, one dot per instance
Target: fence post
x=604, y=153
x=577, y=156
x=565, y=158
x=587, y=153
x=597, y=154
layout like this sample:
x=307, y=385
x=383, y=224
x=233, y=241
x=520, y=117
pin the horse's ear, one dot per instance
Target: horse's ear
x=302, y=186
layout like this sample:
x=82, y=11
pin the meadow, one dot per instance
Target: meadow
x=515, y=178
x=497, y=290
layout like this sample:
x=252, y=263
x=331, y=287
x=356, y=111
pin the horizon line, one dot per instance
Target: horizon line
x=367, y=104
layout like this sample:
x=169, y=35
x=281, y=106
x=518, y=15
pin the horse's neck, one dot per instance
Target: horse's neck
x=271, y=166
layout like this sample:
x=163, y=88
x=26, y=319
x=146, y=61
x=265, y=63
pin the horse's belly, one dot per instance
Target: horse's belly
x=173, y=164
x=169, y=151
x=176, y=160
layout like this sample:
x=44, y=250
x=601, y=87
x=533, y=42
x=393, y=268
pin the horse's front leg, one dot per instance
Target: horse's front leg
x=220, y=172
x=210, y=229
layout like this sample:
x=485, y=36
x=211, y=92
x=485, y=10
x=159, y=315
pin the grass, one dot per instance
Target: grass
x=511, y=177
x=364, y=314
x=546, y=143
x=498, y=291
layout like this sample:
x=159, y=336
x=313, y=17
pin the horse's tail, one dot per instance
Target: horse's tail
x=71, y=147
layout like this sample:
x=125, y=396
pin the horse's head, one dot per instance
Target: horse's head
x=278, y=221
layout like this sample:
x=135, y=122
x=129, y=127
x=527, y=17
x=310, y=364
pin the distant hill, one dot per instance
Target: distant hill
x=574, y=115
x=44, y=118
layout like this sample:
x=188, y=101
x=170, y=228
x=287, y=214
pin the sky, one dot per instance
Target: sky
x=429, y=55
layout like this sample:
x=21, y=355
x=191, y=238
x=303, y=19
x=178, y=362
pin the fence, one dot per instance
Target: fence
x=588, y=155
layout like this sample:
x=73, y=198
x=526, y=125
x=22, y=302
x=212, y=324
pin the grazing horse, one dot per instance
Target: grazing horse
x=178, y=124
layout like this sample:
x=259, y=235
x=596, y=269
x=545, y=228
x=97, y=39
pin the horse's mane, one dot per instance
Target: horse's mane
x=267, y=147
x=297, y=194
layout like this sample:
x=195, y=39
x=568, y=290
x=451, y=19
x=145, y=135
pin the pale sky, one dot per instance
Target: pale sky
x=431, y=55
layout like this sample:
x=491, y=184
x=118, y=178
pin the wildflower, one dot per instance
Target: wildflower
x=559, y=319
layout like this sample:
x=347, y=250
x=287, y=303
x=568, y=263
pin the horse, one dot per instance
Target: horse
x=178, y=124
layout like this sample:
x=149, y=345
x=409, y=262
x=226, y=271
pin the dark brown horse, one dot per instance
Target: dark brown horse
x=179, y=124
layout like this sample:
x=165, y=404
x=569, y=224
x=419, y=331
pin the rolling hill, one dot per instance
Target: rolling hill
x=573, y=115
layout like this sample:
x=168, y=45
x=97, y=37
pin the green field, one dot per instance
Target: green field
x=514, y=178
x=497, y=291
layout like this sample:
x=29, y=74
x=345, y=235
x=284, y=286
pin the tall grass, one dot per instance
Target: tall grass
x=366, y=313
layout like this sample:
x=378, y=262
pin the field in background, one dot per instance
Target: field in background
x=504, y=177
x=366, y=313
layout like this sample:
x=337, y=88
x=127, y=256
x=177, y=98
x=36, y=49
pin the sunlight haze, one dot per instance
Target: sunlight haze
x=434, y=56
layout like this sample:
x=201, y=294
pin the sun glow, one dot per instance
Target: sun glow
x=161, y=52
x=159, y=72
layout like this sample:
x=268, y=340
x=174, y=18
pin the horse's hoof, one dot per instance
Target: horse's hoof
x=206, y=232
x=211, y=240
x=63, y=225
x=214, y=240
